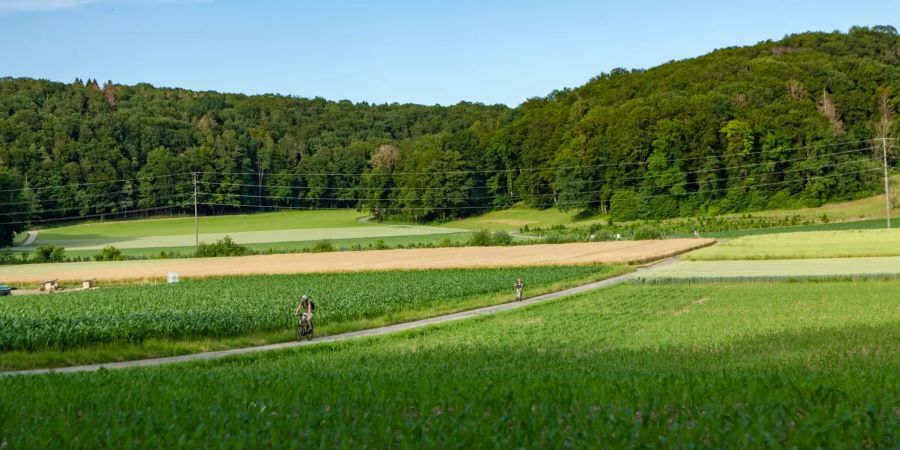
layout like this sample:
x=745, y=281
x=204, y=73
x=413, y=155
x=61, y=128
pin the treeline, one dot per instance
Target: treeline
x=777, y=124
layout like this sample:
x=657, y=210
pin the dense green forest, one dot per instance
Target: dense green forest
x=777, y=124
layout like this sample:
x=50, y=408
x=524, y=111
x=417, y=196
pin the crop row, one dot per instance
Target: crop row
x=231, y=306
x=791, y=365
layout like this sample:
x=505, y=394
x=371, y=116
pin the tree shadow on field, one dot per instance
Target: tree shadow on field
x=81, y=240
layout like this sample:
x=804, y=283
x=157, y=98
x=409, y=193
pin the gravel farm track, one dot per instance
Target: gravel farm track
x=613, y=252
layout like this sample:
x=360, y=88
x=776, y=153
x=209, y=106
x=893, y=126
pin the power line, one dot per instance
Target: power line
x=327, y=208
x=131, y=211
x=599, y=180
x=101, y=195
x=422, y=208
x=269, y=197
x=509, y=196
x=781, y=172
x=777, y=183
x=43, y=188
x=74, y=208
x=138, y=190
x=530, y=169
x=537, y=169
x=513, y=196
x=684, y=183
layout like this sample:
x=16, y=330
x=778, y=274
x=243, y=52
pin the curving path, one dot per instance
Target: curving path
x=345, y=336
x=32, y=236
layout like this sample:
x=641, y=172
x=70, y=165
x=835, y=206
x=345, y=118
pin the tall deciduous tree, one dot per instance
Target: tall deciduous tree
x=16, y=206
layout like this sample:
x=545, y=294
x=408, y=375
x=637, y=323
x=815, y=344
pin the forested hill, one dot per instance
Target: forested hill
x=775, y=124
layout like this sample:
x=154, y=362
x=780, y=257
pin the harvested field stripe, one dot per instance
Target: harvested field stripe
x=614, y=252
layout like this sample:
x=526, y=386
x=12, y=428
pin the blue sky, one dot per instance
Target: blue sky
x=422, y=51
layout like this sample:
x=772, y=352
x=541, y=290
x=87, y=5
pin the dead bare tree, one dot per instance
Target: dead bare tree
x=885, y=114
x=386, y=156
x=828, y=108
x=109, y=93
x=796, y=90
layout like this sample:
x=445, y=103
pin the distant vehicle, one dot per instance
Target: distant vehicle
x=6, y=290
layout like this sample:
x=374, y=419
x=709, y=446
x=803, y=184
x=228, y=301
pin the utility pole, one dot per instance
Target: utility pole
x=887, y=188
x=259, y=188
x=196, y=224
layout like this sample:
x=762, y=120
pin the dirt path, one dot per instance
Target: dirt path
x=613, y=252
x=524, y=236
x=341, y=337
x=32, y=236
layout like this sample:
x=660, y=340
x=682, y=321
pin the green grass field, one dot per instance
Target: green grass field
x=517, y=217
x=294, y=246
x=785, y=365
x=288, y=230
x=299, y=236
x=284, y=220
x=814, y=244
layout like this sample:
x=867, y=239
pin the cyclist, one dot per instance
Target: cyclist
x=305, y=309
x=520, y=290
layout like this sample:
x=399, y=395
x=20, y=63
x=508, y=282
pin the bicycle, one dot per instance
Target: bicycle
x=304, y=329
x=520, y=290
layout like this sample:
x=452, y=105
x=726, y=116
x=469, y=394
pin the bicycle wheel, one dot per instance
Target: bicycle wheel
x=304, y=330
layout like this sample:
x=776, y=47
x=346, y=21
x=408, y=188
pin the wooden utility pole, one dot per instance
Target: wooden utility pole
x=887, y=188
x=259, y=188
x=196, y=223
